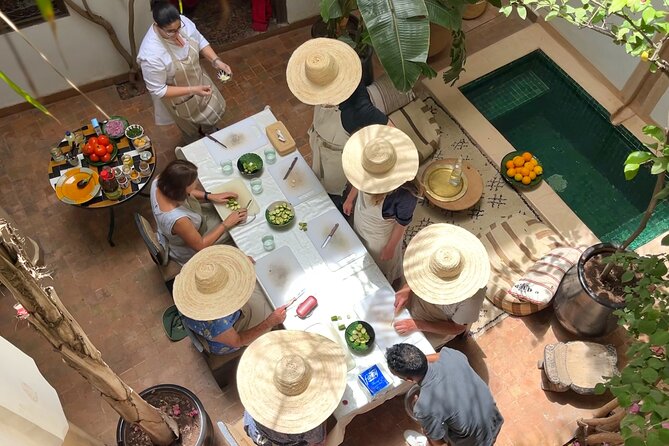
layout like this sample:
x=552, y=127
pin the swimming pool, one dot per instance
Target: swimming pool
x=537, y=107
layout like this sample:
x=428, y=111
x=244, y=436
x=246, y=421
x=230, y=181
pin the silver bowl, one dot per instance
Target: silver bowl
x=410, y=399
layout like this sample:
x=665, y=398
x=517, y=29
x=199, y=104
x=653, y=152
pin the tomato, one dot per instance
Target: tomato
x=94, y=158
x=88, y=148
x=100, y=151
x=106, y=158
x=109, y=148
x=84, y=150
x=103, y=140
x=93, y=141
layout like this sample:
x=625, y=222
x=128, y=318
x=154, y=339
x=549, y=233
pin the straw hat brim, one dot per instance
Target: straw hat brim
x=349, y=72
x=234, y=292
x=405, y=168
x=291, y=414
x=433, y=289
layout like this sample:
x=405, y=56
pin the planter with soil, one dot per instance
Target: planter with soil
x=183, y=406
x=584, y=303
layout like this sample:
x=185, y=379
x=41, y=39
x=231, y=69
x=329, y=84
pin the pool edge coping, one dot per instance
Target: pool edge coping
x=544, y=200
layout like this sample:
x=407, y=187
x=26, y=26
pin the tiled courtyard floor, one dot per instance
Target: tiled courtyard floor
x=117, y=295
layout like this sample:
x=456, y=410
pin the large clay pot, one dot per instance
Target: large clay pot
x=206, y=437
x=440, y=39
x=579, y=310
x=475, y=10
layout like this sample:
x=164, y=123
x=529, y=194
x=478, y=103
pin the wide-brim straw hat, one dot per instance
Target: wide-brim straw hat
x=291, y=381
x=445, y=264
x=323, y=71
x=214, y=283
x=378, y=159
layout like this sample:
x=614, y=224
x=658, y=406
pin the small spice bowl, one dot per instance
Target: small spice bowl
x=134, y=131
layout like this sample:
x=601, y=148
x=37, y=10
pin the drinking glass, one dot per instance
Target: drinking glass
x=144, y=169
x=73, y=160
x=123, y=181
x=226, y=166
x=135, y=177
x=126, y=171
x=57, y=154
x=127, y=160
x=256, y=186
x=268, y=242
x=270, y=156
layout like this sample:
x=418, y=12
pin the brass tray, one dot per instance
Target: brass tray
x=437, y=186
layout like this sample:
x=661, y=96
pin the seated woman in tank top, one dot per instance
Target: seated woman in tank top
x=183, y=227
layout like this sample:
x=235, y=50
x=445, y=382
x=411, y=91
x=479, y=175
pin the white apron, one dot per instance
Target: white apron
x=327, y=137
x=375, y=231
x=191, y=112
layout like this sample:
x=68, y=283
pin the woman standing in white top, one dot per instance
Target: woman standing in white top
x=181, y=91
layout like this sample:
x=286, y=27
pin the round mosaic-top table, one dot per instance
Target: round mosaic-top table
x=58, y=169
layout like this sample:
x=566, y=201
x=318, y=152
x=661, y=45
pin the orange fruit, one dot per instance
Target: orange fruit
x=526, y=180
x=525, y=171
x=528, y=165
x=533, y=161
x=509, y=164
x=538, y=170
x=518, y=161
x=518, y=177
x=527, y=156
x=511, y=172
x=533, y=175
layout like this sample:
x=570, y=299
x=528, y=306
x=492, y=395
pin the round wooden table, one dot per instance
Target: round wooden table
x=471, y=195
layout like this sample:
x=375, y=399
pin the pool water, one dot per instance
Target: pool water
x=537, y=107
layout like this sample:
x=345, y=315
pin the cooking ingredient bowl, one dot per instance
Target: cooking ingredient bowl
x=359, y=337
x=249, y=165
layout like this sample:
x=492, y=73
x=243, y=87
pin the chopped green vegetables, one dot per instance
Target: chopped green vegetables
x=303, y=226
x=335, y=318
x=341, y=327
x=134, y=131
x=232, y=204
x=281, y=214
x=250, y=167
x=359, y=336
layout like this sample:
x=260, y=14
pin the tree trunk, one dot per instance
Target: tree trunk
x=51, y=319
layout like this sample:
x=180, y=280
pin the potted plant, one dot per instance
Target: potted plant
x=45, y=312
x=592, y=290
x=399, y=33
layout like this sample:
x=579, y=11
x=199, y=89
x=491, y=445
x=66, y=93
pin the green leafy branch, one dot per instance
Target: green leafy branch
x=642, y=387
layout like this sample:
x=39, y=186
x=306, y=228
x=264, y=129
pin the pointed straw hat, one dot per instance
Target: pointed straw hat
x=378, y=159
x=323, y=71
x=445, y=264
x=214, y=283
x=291, y=381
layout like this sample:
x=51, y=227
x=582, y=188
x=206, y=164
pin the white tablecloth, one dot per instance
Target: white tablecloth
x=356, y=291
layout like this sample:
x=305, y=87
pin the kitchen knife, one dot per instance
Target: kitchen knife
x=216, y=141
x=329, y=237
x=290, y=168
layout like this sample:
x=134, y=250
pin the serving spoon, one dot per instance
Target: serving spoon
x=83, y=183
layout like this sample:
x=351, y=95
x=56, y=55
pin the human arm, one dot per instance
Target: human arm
x=396, y=237
x=402, y=297
x=154, y=73
x=185, y=229
x=350, y=199
x=214, y=198
x=406, y=326
x=209, y=54
x=240, y=339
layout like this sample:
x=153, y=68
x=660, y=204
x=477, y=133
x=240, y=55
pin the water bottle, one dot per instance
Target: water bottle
x=109, y=184
x=456, y=174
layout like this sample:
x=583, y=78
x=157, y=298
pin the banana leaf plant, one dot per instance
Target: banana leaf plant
x=399, y=32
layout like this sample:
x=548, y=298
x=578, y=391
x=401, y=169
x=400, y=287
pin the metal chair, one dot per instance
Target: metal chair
x=159, y=254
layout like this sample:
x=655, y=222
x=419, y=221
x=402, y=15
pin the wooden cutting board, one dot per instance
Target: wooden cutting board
x=301, y=183
x=283, y=148
x=243, y=196
x=280, y=275
x=345, y=246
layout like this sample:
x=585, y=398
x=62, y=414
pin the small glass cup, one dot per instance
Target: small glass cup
x=270, y=156
x=135, y=177
x=79, y=139
x=256, y=186
x=127, y=160
x=57, y=154
x=118, y=171
x=123, y=181
x=226, y=167
x=126, y=171
x=73, y=160
x=144, y=169
x=268, y=242
x=145, y=155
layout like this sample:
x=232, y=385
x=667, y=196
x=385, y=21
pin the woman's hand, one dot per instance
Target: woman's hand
x=220, y=65
x=235, y=218
x=222, y=197
x=387, y=252
x=348, y=207
x=202, y=90
x=277, y=317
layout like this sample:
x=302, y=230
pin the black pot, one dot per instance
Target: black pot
x=206, y=437
x=320, y=29
x=579, y=310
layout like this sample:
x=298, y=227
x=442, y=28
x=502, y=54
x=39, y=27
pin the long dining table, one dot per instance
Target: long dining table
x=343, y=277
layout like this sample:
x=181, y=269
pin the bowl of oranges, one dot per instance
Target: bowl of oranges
x=522, y=169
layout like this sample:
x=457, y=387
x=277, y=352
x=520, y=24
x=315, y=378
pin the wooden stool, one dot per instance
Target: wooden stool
x=577, y=365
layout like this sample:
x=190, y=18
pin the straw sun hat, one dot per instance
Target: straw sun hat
x=445, y=264
x=214, y=283
x=378, y=159
x=323, y=71
x=291, y=381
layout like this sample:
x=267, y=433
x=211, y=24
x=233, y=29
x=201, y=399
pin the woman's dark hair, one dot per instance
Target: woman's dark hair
x=177, y=176
x=164, y=12
x=406, y=361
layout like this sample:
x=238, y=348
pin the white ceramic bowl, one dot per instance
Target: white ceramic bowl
x=134, y=127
